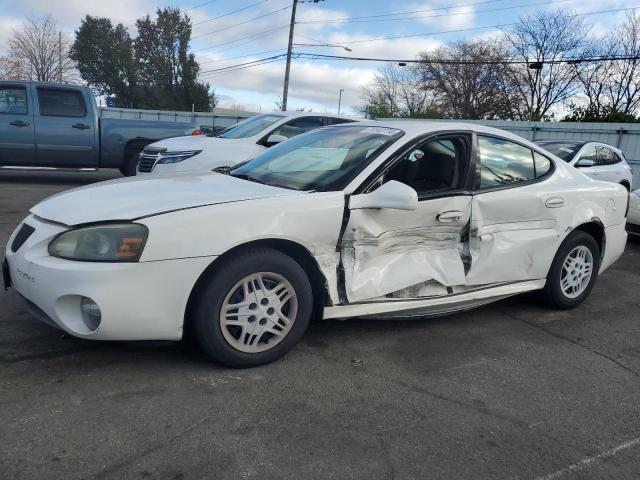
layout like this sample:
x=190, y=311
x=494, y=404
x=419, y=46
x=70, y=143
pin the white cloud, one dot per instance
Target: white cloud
x=462, y=16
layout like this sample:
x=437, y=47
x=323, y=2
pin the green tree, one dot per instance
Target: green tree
x=168, y=72
x=105, y=59
x=155, y=70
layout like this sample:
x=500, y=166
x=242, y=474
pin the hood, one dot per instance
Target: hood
x=194, y=142
x=134, y=197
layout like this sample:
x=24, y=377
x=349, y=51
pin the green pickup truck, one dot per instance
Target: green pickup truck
x=57, y=125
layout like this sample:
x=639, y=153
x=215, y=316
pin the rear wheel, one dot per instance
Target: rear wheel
x=253, y=309
x=573, y=272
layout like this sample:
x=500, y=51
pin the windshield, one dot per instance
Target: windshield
x=251, y=126
x=323, y=160
x=564, y=150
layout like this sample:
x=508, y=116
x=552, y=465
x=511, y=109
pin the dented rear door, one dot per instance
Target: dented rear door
x=514, y=229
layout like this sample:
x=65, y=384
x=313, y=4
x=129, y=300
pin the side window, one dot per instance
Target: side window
x=541, y=164
x=298, y=126
x=606, y=156
x=336, y=121
x=13, y=100
x=61, y=103
x=590, y=154
x=504, y=163
x=432, y=166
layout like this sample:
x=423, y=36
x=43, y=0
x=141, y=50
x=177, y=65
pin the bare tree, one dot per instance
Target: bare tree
x=612, y=87
x=396, y=92
x=541, y=42
x=470, y=80
x=43, y=49
x=13, y=69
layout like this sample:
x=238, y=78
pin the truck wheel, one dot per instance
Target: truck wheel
x=129, y=165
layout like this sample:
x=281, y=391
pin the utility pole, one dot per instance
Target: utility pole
x=285, y=92
x=59, y=57
x=340, y=99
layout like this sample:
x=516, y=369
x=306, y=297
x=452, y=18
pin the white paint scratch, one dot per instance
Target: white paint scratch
x=590, y=460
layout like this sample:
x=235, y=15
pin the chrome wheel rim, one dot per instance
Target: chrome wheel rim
x=577, y=270
x=258, y=312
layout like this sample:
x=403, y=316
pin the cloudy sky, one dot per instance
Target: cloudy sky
x=227, y=33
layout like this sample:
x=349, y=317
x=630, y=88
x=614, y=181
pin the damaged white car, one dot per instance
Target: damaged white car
x=408, y=219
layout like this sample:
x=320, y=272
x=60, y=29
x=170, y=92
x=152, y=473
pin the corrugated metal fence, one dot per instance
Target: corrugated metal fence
x=625, y=136
x=217, y=120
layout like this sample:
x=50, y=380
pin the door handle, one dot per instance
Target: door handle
x=554, y=202
x=19, y=123
x=594, y=173
x=81, y=126
x=449, y=216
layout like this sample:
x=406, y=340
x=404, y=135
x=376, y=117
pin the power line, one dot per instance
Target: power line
x=347, y=19
x=244, y=22
x=501, y=25
x=417, y=17
x=230, y=13
x=251, y=38
x=241, y=56
x=242, y=67
x=577, y=60
x=282, y=55
x=199, y=5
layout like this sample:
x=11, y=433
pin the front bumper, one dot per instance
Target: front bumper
x=138, y=301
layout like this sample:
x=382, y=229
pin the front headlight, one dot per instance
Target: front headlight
x=101, y=243
x=175, y=157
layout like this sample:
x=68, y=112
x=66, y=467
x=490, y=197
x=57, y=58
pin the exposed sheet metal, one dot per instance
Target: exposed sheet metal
x=382, y=254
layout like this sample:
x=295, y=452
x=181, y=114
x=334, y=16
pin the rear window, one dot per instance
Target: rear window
x=13, y=100
x=61, y=103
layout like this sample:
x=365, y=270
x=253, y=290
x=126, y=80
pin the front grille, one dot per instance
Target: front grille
x=147, y=161
x=21, y=237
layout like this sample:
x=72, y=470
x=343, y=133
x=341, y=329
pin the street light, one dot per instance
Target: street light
x=340, y=99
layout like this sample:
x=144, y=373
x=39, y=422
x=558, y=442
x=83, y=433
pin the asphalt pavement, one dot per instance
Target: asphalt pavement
x=510, y=391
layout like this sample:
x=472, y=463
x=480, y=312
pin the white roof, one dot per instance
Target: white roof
x=417, y=127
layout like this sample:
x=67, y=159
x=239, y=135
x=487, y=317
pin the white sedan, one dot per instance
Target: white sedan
x=235, y=145
x=409, y=219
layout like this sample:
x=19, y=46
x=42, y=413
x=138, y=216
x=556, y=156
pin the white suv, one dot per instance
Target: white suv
x=234, y=145
x=597, y=160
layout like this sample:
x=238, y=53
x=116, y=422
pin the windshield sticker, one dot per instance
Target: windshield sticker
x=381, y=131
x=565, y=149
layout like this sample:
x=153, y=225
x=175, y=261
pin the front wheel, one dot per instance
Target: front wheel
x=573, y=272
x=253, y=309
x=129, y=166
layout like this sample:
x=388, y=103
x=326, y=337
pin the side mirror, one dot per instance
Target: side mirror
x=392, y=194
x=275, y=139
x=585, y=162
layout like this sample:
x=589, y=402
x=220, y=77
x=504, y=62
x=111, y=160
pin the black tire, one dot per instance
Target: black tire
x=205, y=311
x=129, y=166
x=552, y=292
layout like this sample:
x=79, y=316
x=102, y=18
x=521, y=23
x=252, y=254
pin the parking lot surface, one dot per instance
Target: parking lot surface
x=513, y=390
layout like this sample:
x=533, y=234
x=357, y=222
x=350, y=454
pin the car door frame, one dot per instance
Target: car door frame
x=67, y=154
x=540, y=230
x=465, y=189
x=29, y=124
x=592, y=171
x=263, y=139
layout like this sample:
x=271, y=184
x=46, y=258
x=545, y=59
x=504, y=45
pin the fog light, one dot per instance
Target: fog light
x=91, y=314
